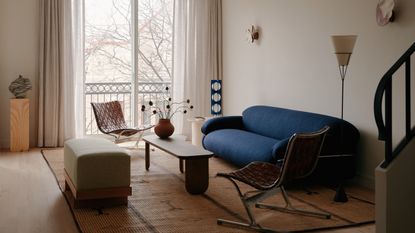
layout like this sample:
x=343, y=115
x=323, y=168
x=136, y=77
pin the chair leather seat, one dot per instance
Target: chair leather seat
x=260, y=175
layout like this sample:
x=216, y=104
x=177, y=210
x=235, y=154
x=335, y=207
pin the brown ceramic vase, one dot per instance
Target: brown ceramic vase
x=164, y=128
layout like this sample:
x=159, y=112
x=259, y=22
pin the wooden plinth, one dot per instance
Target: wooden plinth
x=19, y=125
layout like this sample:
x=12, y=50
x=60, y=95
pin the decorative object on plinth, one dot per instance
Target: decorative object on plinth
x=164, y=128
x=20, y=86
x=216, y=97
x=165, y=109
x=343, y=48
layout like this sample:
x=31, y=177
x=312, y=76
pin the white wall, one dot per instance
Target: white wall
x=18, y=55
x=395, y=193
x=293, y=64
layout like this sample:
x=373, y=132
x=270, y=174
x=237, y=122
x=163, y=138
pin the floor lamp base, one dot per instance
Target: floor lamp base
x=341, y=195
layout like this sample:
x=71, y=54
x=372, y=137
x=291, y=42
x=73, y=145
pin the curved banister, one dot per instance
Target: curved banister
x=381, y=89
x=378, y=107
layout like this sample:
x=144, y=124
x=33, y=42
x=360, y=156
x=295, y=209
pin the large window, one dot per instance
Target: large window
x=128, y=54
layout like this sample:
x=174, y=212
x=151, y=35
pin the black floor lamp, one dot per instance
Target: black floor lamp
x=343, y=48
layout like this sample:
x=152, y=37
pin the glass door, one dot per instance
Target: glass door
x=128, y=55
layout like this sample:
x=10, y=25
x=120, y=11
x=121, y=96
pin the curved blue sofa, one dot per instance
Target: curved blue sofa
x=262, y=134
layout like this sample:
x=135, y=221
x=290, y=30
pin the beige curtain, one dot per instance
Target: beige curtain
x=197, y=55
x=58, y=67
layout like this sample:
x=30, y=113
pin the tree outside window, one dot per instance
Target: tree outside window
x=110, y=38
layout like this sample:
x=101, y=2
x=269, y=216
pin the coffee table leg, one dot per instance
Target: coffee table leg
x=196, y=175
x=147, y=156
x=181, y=165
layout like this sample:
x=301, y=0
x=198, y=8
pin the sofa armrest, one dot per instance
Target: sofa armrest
x=227, y=122
x=278, y=150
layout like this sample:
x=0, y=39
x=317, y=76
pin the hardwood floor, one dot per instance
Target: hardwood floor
x=30, y=200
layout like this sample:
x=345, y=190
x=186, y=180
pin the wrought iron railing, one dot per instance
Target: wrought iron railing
x=384, y=90
x=122, y=91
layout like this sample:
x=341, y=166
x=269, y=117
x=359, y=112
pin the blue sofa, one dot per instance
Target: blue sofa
x=262, y=134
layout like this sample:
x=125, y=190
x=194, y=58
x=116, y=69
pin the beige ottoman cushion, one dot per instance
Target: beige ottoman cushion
x=95, y=163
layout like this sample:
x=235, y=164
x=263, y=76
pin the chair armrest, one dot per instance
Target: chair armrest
x=227, y=122
x=144, y=127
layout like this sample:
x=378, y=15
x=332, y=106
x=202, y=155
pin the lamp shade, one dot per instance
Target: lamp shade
x=343, y=47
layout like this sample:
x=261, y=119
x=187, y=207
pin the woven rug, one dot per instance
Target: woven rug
x=160, y=203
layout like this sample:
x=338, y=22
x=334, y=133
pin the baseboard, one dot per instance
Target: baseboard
x=363, y=180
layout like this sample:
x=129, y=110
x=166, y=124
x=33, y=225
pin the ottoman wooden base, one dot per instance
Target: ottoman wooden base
x=96, y=198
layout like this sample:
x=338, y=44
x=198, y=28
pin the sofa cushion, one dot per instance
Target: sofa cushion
x=240, y=147
x=280, y=123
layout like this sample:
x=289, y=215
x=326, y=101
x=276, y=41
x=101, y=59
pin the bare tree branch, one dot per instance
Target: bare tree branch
x=113, y=41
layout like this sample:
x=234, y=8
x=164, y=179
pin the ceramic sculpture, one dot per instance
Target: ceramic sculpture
x=20, y=86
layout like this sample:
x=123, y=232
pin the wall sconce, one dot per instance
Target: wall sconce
x=253, y=34
x=385, y=12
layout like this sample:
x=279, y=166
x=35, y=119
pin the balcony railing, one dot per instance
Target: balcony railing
x=122, y=91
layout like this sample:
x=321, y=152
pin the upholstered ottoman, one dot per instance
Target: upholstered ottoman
x=97, y=173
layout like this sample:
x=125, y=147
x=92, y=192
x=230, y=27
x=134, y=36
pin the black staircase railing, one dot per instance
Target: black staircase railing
x=385, y=89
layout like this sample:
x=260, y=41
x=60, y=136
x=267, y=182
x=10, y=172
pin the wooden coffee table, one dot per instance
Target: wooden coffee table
x=196, y=160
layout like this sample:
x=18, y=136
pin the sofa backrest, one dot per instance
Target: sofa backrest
x=280, y=123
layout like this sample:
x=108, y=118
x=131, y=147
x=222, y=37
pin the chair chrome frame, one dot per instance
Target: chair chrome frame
x=118, y=137
x=254, y=197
